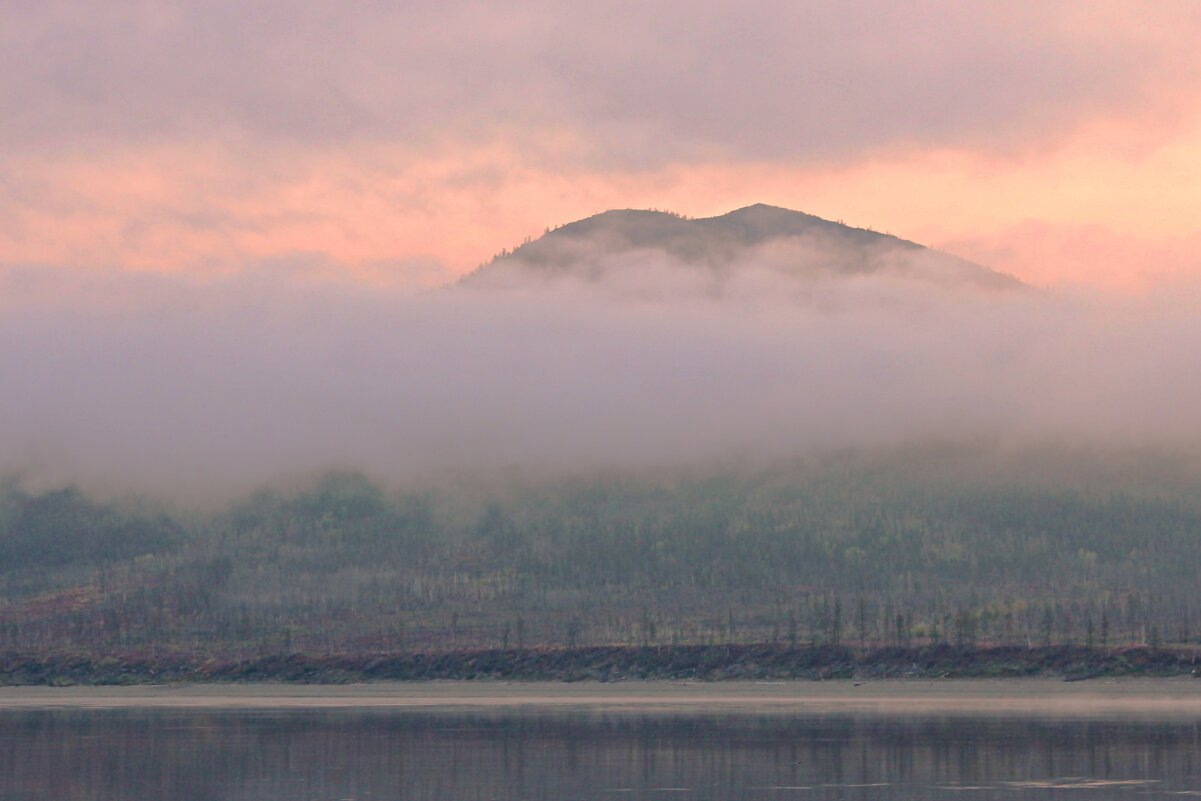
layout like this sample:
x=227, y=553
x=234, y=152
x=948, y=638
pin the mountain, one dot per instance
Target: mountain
x=779, y=240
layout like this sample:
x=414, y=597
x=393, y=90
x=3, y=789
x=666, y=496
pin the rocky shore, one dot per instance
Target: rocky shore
x=609, y=663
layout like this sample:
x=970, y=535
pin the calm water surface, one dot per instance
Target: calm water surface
x=298, y=754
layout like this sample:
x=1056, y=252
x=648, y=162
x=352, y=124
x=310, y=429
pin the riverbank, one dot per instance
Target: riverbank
x=1047, y=698
x=603, y=664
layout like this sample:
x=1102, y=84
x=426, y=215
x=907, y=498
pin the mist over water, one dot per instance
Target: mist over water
x=202, y=389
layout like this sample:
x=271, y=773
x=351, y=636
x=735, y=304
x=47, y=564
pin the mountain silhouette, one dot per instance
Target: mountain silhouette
x=783, y=241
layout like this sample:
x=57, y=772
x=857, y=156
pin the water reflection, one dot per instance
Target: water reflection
x=560, y=755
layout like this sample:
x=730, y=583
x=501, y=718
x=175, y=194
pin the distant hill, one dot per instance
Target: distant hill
x=921, y=547
x=779, y=240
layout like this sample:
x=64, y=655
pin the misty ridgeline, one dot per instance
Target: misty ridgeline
x=638, y=430
x=853, y=552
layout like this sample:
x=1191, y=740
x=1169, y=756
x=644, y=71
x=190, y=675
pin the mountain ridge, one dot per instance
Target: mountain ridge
x=791, y=242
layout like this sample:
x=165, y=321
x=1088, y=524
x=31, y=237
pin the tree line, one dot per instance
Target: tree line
x=859, y=552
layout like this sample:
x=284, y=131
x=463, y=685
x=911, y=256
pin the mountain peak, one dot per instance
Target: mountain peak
x=756, y=209
x=790, y=242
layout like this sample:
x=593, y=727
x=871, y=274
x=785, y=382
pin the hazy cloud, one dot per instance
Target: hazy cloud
x=203, y=389
x=630, y=83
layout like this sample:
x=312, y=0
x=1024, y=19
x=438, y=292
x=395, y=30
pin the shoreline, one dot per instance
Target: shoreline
x=687, y=663
x=1174, y=698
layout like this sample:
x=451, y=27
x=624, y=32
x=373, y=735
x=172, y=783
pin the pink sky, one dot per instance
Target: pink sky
x=408, y=142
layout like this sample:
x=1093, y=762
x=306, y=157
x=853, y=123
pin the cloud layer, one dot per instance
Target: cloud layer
x=204, y=137
x=650, y=80
x=168, y=387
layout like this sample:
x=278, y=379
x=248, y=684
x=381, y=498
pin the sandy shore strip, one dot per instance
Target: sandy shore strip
x=1156, y=698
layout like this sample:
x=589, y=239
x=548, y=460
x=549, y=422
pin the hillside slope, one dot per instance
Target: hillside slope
x=768, y=238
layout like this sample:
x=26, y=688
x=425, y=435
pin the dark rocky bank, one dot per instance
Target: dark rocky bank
x=610, y=663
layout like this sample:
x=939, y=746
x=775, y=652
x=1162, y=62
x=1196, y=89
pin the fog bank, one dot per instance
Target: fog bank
x=205, y=389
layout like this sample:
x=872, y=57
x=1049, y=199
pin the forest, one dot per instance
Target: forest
x=905, y=548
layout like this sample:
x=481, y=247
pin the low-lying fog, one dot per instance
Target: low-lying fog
x=164, y=385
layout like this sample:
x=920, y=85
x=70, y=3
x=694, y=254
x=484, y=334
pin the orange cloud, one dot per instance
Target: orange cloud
x=1095, y=209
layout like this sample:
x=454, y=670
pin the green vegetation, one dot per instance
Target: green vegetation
x=905, y=551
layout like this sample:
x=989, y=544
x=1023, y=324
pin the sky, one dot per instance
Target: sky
x=404, y=143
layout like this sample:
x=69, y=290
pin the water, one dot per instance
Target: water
x=584, y=753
